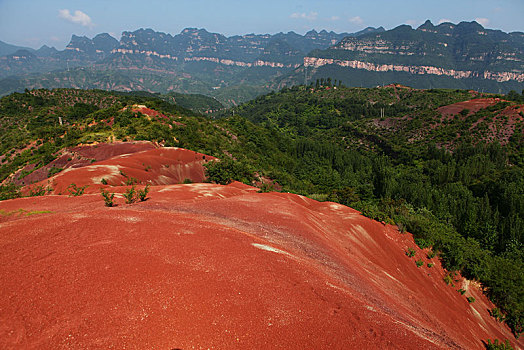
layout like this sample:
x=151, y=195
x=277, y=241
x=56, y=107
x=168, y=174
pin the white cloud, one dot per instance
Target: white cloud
x=356, y=20
x=444, y=20
x=309, y=16
x=334, y=18
x=483, y=21
x=78, y=17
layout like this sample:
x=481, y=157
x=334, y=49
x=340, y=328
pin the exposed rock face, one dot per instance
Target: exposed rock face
x=417, y=70
x=208, y=266
x=466, y=50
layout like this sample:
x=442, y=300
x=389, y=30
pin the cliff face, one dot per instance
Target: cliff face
x=462, y=51
x=416, y=70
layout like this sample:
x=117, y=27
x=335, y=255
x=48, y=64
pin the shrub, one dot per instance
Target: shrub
x=411, y=252
x=461, y=291
x=132, y=195
x=497, y=314
x=497, y=345
x=449, y=279
x=188, y=181
x=9, y=191
x=470, y=299
x=76, y=191
x=104, y=182
x=430, y=265
x=431, y=254
x=419, y=263
x=142, y=194
x=108, y=197
x=39, y=191
x=227, y=170
x=129, y=195
x=422, y=243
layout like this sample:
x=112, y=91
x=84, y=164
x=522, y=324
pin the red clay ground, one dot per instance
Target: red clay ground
x=501, y=128
x=472, y=105
x=200, y=266
x=156, y=166
x=80, y=156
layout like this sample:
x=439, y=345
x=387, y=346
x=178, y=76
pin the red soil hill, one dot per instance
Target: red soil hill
x=221, y=267
x=157, y=166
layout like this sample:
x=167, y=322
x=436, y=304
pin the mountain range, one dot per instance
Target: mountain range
x=237, y=68
x=465, y=55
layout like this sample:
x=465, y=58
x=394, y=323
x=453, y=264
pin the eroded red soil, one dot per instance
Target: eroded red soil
x=224, y=267
x=156, y=166
x=472, y=105
x=80, y=156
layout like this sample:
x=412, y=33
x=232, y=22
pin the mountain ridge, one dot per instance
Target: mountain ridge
x=464, y=56
x=463, y=51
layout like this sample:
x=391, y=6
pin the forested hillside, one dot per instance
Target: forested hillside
x=446, y=170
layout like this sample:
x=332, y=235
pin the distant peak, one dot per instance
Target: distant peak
x=427, y=25
x=472, y=24
x=103, y=35
x=194, y=30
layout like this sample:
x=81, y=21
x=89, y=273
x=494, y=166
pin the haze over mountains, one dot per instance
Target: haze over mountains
x=465, y=55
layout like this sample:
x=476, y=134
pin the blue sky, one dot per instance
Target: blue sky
x=36, y=22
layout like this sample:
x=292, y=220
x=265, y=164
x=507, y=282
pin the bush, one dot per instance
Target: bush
x=108, y=197
x=497, y=314
x=132, y=195
x=142, y=194
x=497, y=345
x=129, y=195
x=448, y=279
x=76, y=191
x=422, y=243
x=411, y=252
x=9, y=191
x=227, y=170
x=470, y=299
x=39, y=191
x=419, y=263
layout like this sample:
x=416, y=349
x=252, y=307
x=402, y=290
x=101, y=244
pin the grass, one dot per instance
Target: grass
x=23, y=212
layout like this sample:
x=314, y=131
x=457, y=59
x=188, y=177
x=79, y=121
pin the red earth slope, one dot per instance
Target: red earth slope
x=80, y=156
x=156, y=166
x=224, y=267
